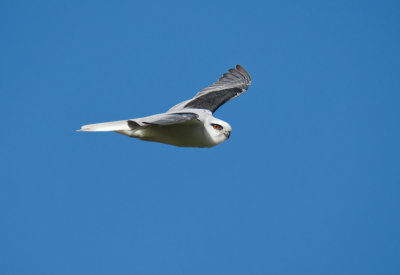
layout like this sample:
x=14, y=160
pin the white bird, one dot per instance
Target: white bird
x=189, y=123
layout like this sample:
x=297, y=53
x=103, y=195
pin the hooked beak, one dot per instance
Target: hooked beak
x=227, y=134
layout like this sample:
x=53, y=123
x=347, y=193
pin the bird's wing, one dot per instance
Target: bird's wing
x=160, y=119
x=230, y=85
x=167, y=119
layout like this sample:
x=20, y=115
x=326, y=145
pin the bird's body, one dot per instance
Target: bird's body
x=190, y=133
x=189, y=123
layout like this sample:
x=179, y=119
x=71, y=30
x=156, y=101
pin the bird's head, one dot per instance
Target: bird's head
x=218, y=130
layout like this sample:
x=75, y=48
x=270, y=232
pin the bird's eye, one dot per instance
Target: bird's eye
x=217, y=126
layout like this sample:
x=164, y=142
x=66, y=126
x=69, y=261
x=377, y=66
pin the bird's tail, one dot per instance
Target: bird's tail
x=119, y=125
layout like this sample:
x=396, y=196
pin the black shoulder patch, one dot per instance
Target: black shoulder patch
x=187, y=115
x=172, y=118
x=133, y=124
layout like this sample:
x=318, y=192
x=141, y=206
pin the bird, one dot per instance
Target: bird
x=190, y=123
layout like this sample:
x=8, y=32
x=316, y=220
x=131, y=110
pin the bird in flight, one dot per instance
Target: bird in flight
x=189, y=123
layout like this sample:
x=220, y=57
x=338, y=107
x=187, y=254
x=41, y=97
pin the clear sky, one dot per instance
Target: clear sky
x=308, y=183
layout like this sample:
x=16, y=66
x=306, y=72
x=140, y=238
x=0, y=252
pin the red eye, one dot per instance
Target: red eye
x=217, y=127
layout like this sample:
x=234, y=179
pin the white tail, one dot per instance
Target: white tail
x=106, y=126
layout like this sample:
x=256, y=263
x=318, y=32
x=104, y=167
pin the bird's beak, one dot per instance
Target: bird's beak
x=227, y=134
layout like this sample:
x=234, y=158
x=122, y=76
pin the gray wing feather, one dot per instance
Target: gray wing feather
x=163, y=119
x=230, y=85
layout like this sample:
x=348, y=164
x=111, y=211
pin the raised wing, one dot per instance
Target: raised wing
x=230, y=85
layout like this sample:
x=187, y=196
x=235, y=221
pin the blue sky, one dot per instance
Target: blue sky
x=308, y=183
